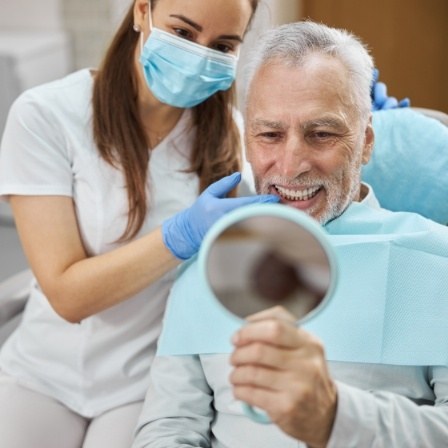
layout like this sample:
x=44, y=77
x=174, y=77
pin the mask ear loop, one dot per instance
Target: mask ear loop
x=149, y=24
x=149, y=16
x=141, y=42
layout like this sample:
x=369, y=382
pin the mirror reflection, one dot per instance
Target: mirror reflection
x=264, y=261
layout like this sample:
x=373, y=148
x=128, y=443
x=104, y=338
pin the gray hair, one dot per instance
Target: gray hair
x=292, y=43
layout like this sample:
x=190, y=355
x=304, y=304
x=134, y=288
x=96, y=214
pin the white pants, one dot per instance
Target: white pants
x=30, y=419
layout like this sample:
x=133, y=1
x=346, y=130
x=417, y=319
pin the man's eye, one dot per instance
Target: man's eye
x=269, y=135
x=323, y=135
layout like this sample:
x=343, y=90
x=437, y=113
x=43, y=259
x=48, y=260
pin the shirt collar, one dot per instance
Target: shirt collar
x=369, y=198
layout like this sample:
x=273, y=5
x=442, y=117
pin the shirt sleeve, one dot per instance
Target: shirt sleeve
x=178, y=407
x=34, y=158
x=384, y=419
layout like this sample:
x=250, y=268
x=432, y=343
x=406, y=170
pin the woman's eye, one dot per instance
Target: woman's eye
x=223, y=48
x=185, y=34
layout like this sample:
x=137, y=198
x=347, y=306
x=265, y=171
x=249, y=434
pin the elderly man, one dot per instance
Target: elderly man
x=308, y=131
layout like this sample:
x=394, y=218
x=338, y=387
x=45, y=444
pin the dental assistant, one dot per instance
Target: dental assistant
x=103, y=170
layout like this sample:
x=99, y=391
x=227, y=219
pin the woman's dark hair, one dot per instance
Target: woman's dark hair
x=119, y=134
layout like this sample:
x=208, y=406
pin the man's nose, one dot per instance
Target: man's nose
x=296, y=158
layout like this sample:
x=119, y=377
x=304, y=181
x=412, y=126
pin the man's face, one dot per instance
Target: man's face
x=305, y=140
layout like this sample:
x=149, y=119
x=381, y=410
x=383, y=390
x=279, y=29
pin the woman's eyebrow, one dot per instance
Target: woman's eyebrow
x=231, y=37
x=188, y=21
x=199, y=28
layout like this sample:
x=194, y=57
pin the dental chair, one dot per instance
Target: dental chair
x=14, y=293
x=408, y=171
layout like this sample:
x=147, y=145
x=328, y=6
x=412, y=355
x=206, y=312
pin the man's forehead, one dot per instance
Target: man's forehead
x=317, y=72
x=315, y=93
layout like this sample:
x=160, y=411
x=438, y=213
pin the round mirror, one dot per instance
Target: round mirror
x=268, y=255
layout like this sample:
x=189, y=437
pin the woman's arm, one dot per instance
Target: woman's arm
x=76, y=285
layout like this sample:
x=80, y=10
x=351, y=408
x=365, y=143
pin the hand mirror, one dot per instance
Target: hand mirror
x=265, y=255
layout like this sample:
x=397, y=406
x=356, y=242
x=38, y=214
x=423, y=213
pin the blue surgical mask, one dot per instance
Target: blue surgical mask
x=182, y=73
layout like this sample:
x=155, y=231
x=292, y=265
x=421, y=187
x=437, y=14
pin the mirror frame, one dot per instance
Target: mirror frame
x=271, y=210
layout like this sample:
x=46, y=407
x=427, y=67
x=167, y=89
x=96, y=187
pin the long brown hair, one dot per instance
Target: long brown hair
x=119, y=134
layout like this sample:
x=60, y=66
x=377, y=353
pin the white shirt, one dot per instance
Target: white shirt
x=48, y=149
x=190, y=403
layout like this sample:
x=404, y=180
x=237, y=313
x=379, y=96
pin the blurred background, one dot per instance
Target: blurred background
x=46, y=39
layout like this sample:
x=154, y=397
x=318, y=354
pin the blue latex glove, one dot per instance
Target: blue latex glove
x=183, y=233
x=380, y=100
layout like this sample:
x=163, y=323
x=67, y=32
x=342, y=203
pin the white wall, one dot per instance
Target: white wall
x=118, y=9
x=31, y=15
x=284, y=11
x=34, y=49
x=89, y=23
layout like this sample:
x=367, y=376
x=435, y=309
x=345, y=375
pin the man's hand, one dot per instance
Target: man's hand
x=282, y=369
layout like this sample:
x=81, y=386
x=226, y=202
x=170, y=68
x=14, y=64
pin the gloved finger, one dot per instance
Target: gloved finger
x=232, y=203
x=405, y=102
x=390, y=103
x=221, y=187
x=379, y=94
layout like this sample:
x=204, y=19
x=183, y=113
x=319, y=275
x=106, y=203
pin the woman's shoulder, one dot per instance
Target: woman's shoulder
x=63, y=103
x=69, y=92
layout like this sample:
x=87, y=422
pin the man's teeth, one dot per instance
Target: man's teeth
x=296, y=195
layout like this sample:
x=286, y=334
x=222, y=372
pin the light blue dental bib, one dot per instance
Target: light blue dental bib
x=390, y=305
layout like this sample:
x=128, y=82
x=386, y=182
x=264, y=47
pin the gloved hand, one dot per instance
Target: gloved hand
x=380, y=100
x=183, y=233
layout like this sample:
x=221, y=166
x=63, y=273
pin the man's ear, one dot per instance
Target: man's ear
x=369, y=139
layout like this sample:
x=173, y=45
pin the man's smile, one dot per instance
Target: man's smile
x=297, y=194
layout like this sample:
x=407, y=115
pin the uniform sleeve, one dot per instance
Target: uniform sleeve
x=33, y=156
x=384, y=419
x=178, y=407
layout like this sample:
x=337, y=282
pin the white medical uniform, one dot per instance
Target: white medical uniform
x=48, y=149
